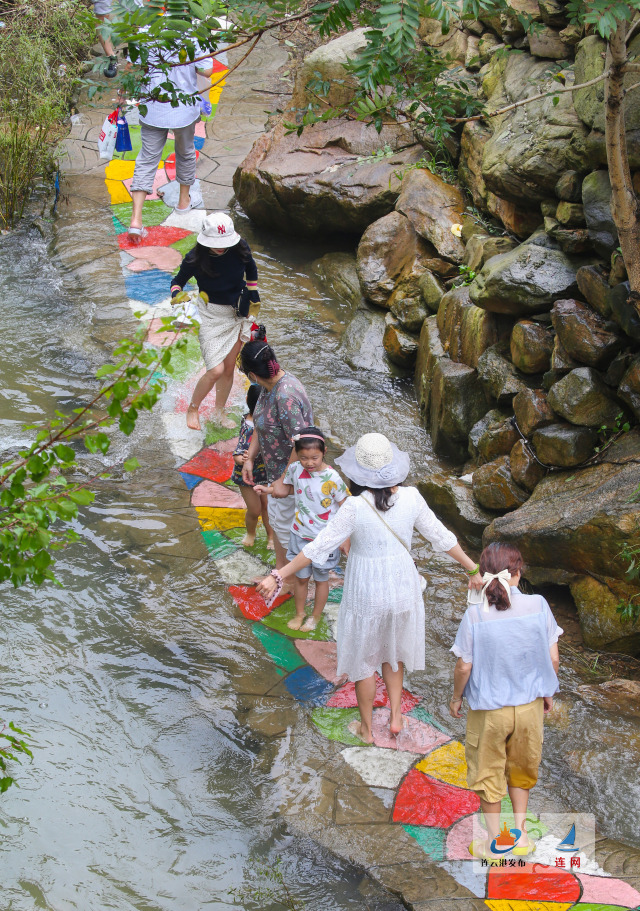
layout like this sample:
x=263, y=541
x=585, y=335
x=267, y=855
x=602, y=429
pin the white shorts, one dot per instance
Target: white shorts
x=281, y=513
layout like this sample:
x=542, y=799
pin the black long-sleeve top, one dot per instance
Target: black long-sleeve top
x=225, y=286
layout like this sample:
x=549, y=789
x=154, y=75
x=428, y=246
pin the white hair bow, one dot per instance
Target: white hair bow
x=503, y=577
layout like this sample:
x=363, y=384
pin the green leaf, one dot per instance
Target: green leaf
x=105, y=370
x=131, y=464
x=65, y=453
x=82, y=496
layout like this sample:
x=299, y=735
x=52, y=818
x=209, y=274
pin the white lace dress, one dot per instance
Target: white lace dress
x=381, y=617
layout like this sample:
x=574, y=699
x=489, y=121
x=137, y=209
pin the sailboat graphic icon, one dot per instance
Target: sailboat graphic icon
x=568, y=843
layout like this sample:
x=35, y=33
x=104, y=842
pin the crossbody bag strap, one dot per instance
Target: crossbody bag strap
x=373, y=509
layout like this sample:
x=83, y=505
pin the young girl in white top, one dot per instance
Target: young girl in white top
x=318, y=491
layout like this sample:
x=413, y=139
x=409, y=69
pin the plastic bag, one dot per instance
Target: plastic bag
x=185, y=312
x=107, y=136
x=123, y=139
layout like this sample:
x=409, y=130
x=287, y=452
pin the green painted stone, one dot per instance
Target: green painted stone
x=218, y=544
x=280, y=649
x=279, y=618
x=432, y=841
x=333, y=723
x=154, y=212
x=214, y=433
x=118, y=226
x=421, y=714
x=259, y=549
x=590, y=906
x=185, y=244
x=335, y=596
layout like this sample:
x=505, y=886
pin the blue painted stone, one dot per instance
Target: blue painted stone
x=306, y=685
x=198, y=142
x=151, y=287
x=191, y=480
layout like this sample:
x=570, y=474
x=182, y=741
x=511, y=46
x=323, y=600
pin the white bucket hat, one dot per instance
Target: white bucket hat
x=375, y=462
x=218, y=232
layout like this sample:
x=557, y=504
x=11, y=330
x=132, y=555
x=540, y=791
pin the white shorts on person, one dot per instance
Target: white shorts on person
x=281, y=513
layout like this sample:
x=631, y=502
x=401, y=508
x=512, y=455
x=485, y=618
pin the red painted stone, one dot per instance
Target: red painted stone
x=157, y=236
x=226, y=445
x=208, y=493
x=251, y=604
x=170, y=165
x=216, y=466
x=533, y=882
x=345, y=697
x=423, y=801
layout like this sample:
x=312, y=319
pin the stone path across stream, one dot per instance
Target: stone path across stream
x=399, y=808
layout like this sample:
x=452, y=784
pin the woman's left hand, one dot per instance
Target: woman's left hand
x=266, y=586
x=476, y=581
x=454, y=708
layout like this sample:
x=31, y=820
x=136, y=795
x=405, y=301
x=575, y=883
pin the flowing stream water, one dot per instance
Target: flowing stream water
x=146, y=790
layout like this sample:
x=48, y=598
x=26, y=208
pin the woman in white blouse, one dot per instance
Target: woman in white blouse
x=381, y=619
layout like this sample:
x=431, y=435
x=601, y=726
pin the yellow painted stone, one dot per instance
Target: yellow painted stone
x=117, y=169
x=504, y=904
x=446, y=764
x=117, y=191
x=220, y=519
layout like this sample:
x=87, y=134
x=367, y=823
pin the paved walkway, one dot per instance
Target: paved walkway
x=399, y=808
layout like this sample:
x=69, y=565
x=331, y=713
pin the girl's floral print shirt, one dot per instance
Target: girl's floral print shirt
x=318, y=495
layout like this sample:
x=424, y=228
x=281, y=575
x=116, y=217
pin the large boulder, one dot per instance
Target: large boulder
x=466, y=331
x=490, y=419
x=526, y=471
x=563, y=445
x=481, y=247
x=595, y=289
x=313, y=182
x=431, y=291
x=386, y=248
x=337, y=273
x=589, y=102
x=531, y=347
x=597, y=602
x=453, y=502
x=596, y=202
x=524, y=281
x=629, y=389
x=361, y=345
x=494, y=487
x=532, y=411
x=410, y=312
x=582, y=398
x=624, y=312
x=585, y=336
x=497, y=440
x=457, y=402
x=401, y=346
x=433, y=207
x=327, y=63
x=499, y=377
x=430, y=352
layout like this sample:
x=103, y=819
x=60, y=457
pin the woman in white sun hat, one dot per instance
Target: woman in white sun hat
x=381, y=618
x=224, y=268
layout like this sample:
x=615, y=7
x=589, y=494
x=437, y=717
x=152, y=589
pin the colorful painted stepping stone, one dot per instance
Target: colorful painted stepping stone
x=217, y=544
x=240, y=567
x=251, y=604
x=516, y=905
x=185, y=244
x=423, y=801
x=190, y=220
x=219, y=519
x=150, y=286
x=446, y=764
x=280, y=649
x=209, y=493
x=306, y=685
x=157, y=236
x=334, y=724
x=416, y=737
x=119, y=170
x=605, y=889
x=226, y=445
x=159, y=180
x=335, y=595
x=462, y=834
x=279, y=618
x=591, y=907
x=191, y=480
x=154, y=212
x=533, y=884
x=430, y=840
x=259, y=548
x=322, y=656
x=345, y=697
x=117, y=191
x=212, y=465
x=377, y=767
x=421, y=713
x=165, y=258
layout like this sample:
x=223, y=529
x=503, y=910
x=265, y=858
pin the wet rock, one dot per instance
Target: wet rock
x=410, y=312
x=472, y=56
x=497, y=440
x=532, y=411
x=561, y=362
x=430, y=351
x=466, y=331
x=595, y=289
x=618, y=273
x=572, y=241
x=582, y=398
x=584, y=334
x=563, y=445
x=328, y=62
x=569, y=187
x=629, y=389
x=518, y=221
x=457, y=402
x=623, y=311
x=474, y=137
x=339, y=275
x=494, y=487
x=619, y=696
x=617, y=368
x=596, y=200
x=304, y=184
x=499, y=377
x=589, y=102
x=482, y=247
x=525, y=281
x=493, y=417
x=547, y=42
x=570, y=214
x=386, y=248
x=431, y=291
x=401, y=346
x=487, y=47
x=602, y=627
x=433, y=207
x=531, y=347
x=452, y=501
x=361, y=345
x=525, y=470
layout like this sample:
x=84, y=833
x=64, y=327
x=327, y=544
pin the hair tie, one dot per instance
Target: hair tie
x=306, y=436
x=503, y=578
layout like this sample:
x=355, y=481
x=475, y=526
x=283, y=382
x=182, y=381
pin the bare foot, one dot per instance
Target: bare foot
x=355, y=728
x=396, y=726
x=270, y=544
x=309, y=625
x=224, y=420
x=193, y=419
x=296, y=622
x=248, y=540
